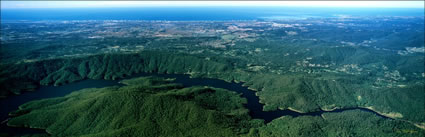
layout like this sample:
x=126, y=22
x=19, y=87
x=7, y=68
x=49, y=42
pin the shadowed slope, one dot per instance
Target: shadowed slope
x=146, y=107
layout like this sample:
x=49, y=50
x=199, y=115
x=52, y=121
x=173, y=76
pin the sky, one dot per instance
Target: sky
x=109, y=4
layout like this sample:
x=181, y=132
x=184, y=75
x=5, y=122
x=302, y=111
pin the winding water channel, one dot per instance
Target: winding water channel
x=256, y=109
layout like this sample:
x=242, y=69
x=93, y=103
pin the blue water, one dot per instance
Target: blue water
x=198, y=13
x=253, y=103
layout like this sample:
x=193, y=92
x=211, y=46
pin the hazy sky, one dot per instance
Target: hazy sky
x=99, y=4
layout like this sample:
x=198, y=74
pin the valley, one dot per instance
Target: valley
x=309, y=76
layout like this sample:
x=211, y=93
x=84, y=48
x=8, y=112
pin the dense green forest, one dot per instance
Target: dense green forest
x=345, y=124
x=307, y=65
x=104, y=66
x=152, y=106
x=305, y=93
x=147, y=106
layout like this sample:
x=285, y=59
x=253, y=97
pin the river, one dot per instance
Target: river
x=12, y=103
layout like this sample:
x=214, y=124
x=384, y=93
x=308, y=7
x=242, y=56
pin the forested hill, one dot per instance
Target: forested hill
x=26, y=76
x=297, y=91
x=146, y=106
x=152, y=106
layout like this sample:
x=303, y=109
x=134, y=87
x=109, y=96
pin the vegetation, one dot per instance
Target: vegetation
x=344, y=124
x=304, y=65
x=153, y=106
x=106, y=66
x=148, y=106
x=305, y=93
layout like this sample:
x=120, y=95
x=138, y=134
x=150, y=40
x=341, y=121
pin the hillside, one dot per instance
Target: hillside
x=152, y=106
x=298, y=91
x=148, y=106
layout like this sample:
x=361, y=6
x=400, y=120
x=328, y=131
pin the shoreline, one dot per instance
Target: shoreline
x=28, y=127
x=393, y=115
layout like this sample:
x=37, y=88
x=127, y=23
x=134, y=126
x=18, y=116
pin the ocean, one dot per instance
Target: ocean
x=198, y=13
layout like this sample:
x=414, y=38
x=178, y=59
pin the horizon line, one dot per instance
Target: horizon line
x=142, y=4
